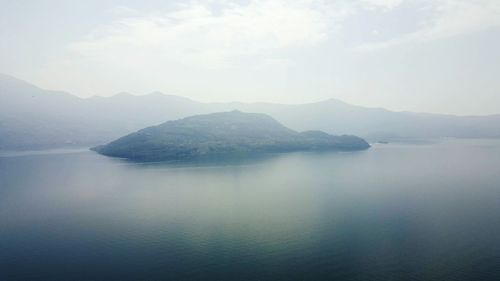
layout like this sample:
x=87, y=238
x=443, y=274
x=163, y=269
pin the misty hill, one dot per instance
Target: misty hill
x=33, y=118
x=222, y=134
x=373, y=124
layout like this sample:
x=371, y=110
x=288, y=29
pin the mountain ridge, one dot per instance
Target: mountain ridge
x=34, y=118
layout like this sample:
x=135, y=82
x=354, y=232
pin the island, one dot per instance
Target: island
x=233, y=133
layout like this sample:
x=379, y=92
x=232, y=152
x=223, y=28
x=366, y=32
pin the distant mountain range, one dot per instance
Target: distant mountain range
x=222, y=134
x=33, y=118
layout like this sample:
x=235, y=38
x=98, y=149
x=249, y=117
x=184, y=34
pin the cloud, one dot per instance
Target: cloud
x=229, y=45
x=384, y=4
x=445, y=18
x=208, y=36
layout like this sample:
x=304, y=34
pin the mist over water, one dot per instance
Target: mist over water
x=394, y=212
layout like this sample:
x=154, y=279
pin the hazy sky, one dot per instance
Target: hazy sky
x=418, y=55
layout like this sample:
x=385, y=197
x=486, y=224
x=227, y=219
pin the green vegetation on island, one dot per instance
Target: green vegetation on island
x=221, y=134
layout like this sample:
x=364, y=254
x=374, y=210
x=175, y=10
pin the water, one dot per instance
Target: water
x=395, y=212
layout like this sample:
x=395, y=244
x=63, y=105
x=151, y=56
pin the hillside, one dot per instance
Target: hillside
x=34, y=118
x=222, y=134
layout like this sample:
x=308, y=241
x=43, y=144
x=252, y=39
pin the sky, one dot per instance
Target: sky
x=439, y=56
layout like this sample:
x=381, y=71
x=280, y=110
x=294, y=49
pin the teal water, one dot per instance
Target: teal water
x=426, y=211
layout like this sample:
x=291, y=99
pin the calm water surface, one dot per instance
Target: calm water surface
x=394, y=212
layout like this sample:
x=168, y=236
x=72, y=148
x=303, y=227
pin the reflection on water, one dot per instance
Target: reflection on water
x=394, y=212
